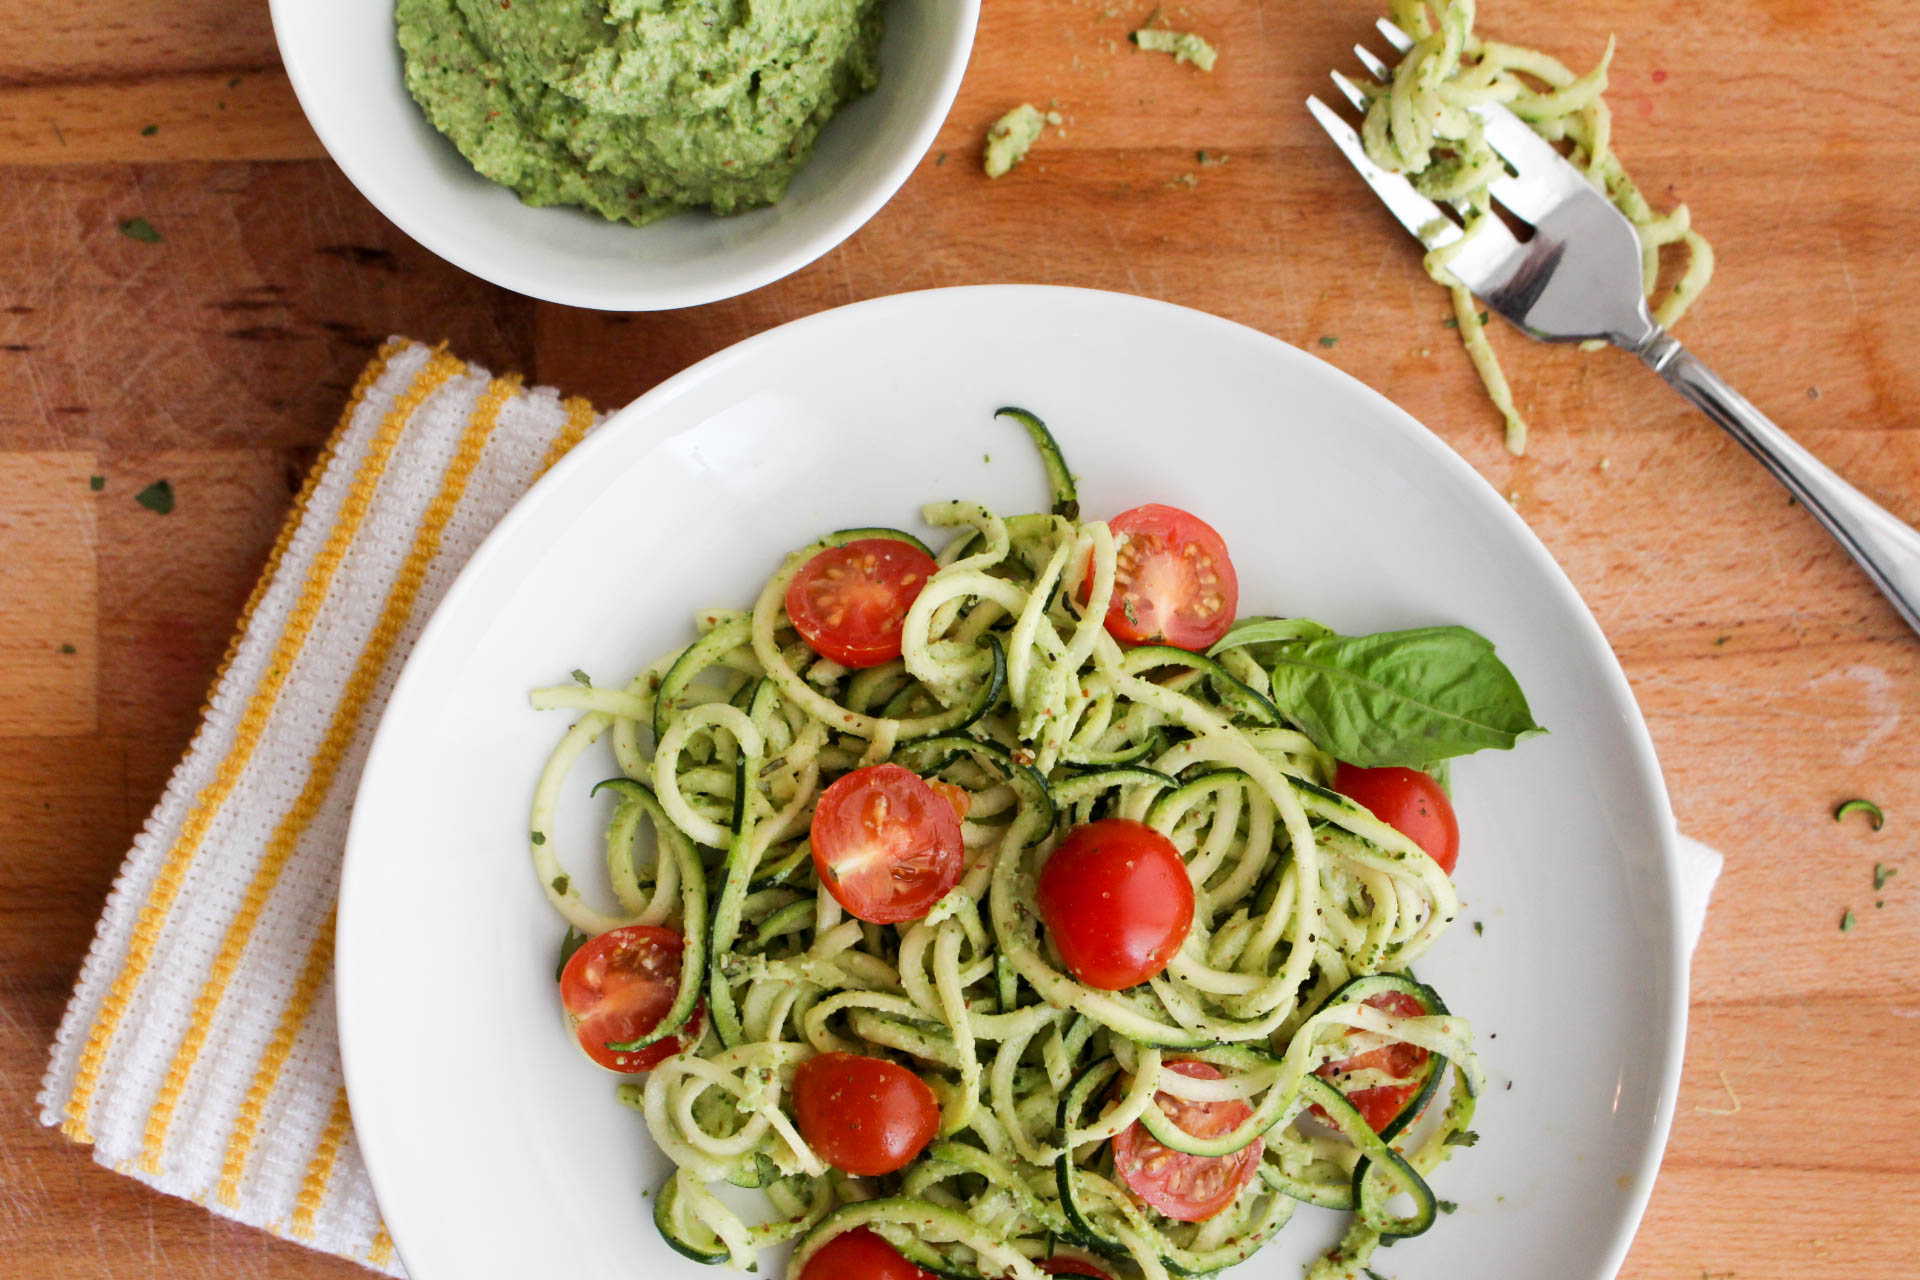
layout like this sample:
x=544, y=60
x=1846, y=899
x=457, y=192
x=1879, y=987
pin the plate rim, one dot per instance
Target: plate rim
x=631, y=417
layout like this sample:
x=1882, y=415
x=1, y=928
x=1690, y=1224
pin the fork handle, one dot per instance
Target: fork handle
x=1885, y=546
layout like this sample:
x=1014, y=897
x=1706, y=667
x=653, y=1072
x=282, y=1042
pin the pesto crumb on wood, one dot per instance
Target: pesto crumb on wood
x=1185, y=46
x=1010, y=137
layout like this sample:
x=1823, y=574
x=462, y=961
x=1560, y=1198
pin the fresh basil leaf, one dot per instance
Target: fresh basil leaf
x=1260, y=637
x=1250, y=631
x=1409, y=698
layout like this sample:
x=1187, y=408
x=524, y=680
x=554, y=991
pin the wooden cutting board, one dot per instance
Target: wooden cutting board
x=1775, y=680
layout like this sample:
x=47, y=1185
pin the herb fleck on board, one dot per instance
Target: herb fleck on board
x=156, y=497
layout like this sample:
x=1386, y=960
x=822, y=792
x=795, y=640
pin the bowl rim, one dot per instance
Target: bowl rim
x=343, y=148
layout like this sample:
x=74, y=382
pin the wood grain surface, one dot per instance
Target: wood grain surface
x=1775, y=680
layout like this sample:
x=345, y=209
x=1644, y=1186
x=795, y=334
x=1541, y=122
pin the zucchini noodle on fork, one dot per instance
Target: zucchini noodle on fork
x=1419, y=125
x=1010, y=692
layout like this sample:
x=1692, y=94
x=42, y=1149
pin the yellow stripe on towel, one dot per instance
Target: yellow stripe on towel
x=173, y=872
x=313, y=1186
x=246, y=1125
x=579, y=418
x=324, y=767
x=319, y=960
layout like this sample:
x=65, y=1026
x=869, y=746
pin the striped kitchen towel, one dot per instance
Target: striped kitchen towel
x=198, y=1053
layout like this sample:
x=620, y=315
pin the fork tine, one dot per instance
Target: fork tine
x=1521, y=147
x=1400, y=40
x=1543, y=177
x=1376, y=68
x=1429, y=225
x=1353, y=92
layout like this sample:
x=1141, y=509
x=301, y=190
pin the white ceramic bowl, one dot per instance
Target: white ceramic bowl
x=345, y=64
x=497, y=1149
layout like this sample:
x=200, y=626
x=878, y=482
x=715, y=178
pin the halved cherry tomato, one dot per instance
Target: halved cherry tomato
x=863, y=1116
x=860, y=1254
x=1116, y=901
x=1064, y=1266
x=1381, y=1103
x=1410, y=802
x=959, y=797
x=885, y=844
x=1173, y=582
x=848, y=602
x=1185, y=1187
x=617, y=987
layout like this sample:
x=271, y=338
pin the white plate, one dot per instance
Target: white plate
x=344, y=61
x=496, y=1149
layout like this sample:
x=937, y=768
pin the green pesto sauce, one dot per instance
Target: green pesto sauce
x=638, y=108
x=1183, y=45
x=1010, y=137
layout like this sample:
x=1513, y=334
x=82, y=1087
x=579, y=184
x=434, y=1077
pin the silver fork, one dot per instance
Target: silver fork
x=1578, y=278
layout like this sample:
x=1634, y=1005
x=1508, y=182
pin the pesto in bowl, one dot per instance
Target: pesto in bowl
x=635, y=109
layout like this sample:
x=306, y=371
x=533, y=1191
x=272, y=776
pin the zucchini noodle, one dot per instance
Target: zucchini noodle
x=1420, y=125
x=1306, y=907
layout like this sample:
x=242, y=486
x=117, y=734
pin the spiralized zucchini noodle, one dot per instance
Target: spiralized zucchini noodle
x=1308, y=910
x=1421, y=126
